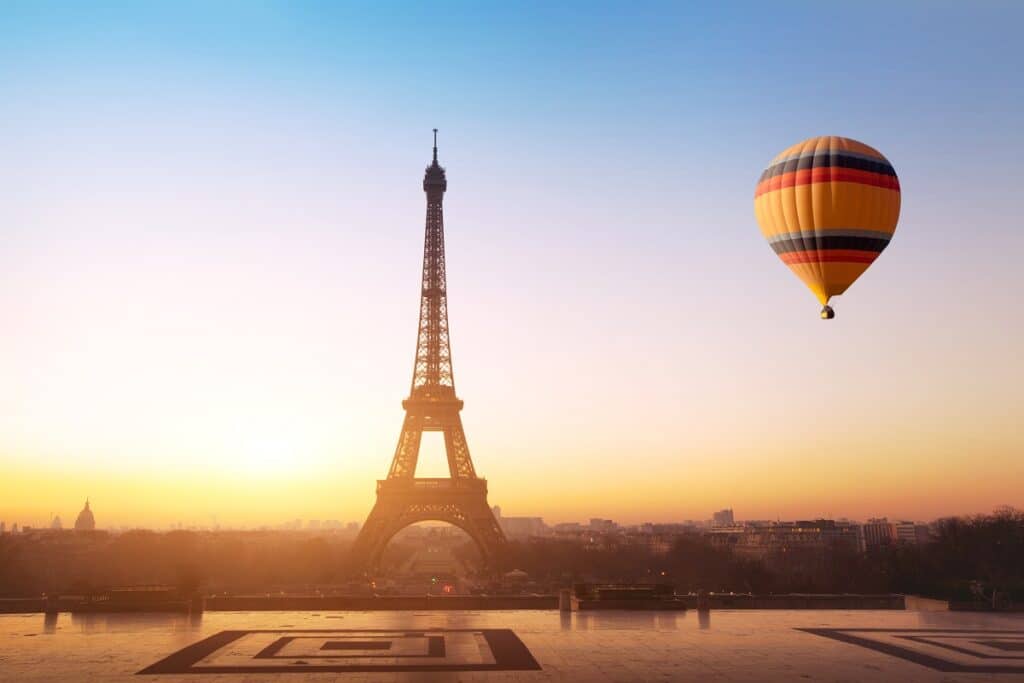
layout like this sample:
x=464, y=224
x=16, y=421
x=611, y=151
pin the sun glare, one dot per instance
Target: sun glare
x=269, y=451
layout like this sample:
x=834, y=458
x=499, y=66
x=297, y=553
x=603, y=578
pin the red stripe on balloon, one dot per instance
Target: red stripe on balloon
x=830, y=174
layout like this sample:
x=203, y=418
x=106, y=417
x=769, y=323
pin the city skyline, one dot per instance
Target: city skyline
x=210, y=261
x=328, y=523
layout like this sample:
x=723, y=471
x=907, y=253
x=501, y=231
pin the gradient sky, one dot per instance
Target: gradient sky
x=211, y=231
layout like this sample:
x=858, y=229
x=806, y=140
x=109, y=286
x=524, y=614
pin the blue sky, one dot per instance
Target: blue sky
x=206, y=207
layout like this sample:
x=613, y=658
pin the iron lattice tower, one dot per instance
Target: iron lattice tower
x=402, y=498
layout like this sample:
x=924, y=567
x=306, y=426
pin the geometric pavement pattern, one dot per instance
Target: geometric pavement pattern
x=350, y=650
x=951, y=650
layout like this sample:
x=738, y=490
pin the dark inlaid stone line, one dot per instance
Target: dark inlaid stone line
x=1005, y=645
x=926, y=637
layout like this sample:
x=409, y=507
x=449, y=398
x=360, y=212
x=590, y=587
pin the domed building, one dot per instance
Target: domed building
x=85, y=521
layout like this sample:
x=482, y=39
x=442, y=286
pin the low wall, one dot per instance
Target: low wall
x=652, y=604
x=466, y=602
x=799, y=601
x=962, y=606
x=21, y=605
x=371, y=603
x=31, y=605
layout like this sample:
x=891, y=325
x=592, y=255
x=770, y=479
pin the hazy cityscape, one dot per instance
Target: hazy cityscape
x=315, y=557
x=722, y=528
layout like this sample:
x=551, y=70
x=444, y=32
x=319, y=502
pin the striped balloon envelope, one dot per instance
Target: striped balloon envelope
x=828, y=207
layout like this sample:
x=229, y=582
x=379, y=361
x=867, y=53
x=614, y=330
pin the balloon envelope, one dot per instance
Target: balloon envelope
x=828, y=207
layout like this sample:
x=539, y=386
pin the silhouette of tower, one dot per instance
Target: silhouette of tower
x=402, y=498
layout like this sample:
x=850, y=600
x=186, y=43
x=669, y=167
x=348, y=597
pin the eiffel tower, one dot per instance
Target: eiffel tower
x=402, y=498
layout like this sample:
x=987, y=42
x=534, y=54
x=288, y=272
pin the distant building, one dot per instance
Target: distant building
x=597, y=524
x=56, y=524
x=672, y=529
x=522, y=527
x=879, y=532
x=654, y=543
x=313, y=525
x=85, y=521
x=722, y=518
x=912, y=532
x=760, y=540
x=3, y=527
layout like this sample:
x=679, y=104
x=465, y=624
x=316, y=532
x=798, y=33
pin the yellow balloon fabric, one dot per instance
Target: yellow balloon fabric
x=828, y=207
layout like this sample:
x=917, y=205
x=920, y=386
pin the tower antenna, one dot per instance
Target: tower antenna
x=435, y=145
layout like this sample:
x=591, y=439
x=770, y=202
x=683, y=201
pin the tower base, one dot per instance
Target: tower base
x=403, y=502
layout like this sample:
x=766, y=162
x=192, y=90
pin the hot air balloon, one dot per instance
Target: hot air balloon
x=828, y=207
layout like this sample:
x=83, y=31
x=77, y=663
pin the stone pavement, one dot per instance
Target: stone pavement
x=514, y=646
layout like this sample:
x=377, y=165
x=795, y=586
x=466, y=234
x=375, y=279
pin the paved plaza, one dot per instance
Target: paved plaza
x=514, y=646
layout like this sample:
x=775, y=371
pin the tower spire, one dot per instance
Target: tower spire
x=432, y=372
